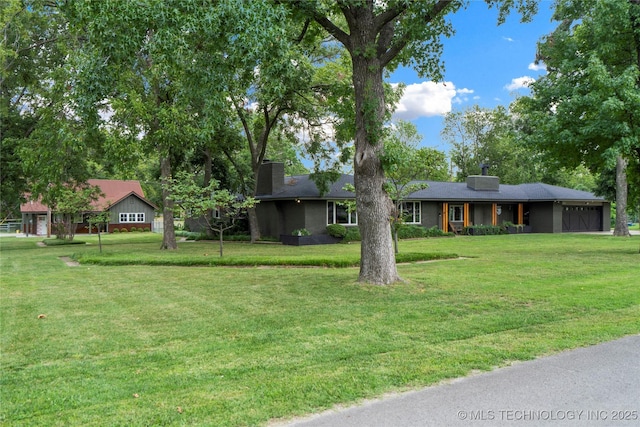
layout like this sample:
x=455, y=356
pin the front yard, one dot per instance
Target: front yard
x=163, y=344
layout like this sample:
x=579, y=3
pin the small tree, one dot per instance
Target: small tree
x=405, y=166
x=99, y=219
x=218, y=207
x=70, y=201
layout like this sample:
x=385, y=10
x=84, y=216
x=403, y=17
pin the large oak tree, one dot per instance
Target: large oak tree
x=586, y=109
x=177, y=70
x=130, y=71
x=379, y=35
x=46, y=147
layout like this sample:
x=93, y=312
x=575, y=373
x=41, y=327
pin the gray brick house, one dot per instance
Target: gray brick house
x=288, y=203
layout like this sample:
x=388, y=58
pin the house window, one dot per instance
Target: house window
x=131, y=217
x=411, y=212
x=338, y=214
x=215, y=213
x=455, y=213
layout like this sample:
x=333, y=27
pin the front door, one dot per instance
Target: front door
x=41, y=229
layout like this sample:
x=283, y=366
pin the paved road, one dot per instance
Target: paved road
x=593, y=386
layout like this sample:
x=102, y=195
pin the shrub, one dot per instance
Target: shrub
x=147, y=229
x=192, y=235
x=300, y=232
x=484, y=230
x=410, y=231
x=133, y=229
x=115, y=230
x=238, y=238
x=124, y=230
x=337, y=230
x=353, y=235
x=61, y=242
x=436, y=232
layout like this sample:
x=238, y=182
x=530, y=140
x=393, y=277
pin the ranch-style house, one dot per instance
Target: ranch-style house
x=289, y=203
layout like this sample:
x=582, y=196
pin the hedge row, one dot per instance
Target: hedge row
x=311, y=261
x=133, y=230
x=405, y=231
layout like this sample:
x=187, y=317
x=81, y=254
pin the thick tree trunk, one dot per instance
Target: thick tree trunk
x=169, y=234
x=622, y=226
x=374, y=207
x=254, y=227
x=252, y=214
x=207, y=167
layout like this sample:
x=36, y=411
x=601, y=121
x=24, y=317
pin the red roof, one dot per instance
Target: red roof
x=32, y=206
x=115, y=190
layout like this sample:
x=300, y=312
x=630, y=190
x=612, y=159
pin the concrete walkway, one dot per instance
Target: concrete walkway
x=593, y=386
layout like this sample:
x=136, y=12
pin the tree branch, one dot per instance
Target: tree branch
x=269, y=123
x=395, y=49
x=388, y=16
x=334, y=30
x=304, y=31
x=385, y=38
x=235, y=164
x=245, y=126
x=37, y=44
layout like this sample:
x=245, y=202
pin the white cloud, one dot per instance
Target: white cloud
x=461, y=96
x=537, y=67
x=509, y=39
x=519, y=83
x=427, y=99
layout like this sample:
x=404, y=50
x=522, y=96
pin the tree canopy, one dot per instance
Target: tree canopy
x=407, y=167
x=45, y=144
x=586, y=109
x=380, y=36
x=219, y=208
x=161, y=81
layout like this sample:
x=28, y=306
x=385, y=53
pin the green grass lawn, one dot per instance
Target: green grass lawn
x=141, y=345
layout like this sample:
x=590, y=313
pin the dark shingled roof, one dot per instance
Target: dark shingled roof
x=301, y=187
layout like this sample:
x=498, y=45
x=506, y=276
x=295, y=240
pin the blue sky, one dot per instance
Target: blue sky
x=485, y=64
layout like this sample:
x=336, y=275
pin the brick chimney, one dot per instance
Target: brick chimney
x=483, y=183
x=270, y=178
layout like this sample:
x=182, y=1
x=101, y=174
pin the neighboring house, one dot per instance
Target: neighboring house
x=124, y=200
x=294, y=202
